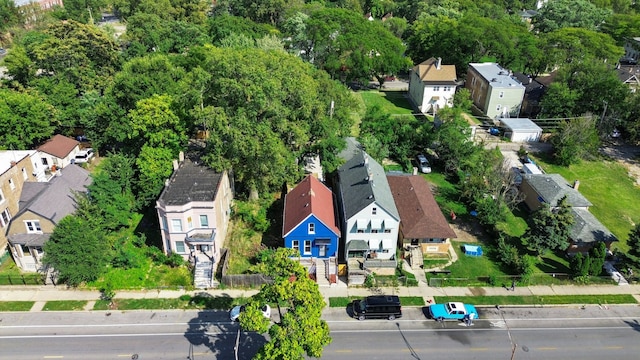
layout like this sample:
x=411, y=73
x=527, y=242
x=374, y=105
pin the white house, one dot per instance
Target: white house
x=432, y=85
x=521, y=129
x=58, y=152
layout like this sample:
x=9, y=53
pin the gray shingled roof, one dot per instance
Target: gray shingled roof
x=587, y=229
x=553, y=187
x=55, y=199
x=352, y=149
x=362, y=184
x=192, y=181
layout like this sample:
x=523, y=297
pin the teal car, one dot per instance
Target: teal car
x=452, y=311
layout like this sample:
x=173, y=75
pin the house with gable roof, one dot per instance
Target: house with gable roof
x=369, y=218
x=550, y=189
x=629, y=75
x=193, y=211
x=432, y=85
x=423, y=228
x=310, y=227
x=494, y=90
x=58, y=152
x=41, y=207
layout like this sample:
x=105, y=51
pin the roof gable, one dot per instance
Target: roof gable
x=55, y=199
x=553, y=187
x=587, y=229
x=362, y=181
x=59, y=146
x=428, y=71
x=420, y=215
x=309, y=197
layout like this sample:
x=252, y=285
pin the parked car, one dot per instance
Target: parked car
x=234, y=314
x=83, y=156
x=452, y=311
x=423, y=164
x=379, y=306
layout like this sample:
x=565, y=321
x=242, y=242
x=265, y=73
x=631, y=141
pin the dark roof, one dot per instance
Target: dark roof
x=192, y=181
x=553, y=187
x=420, y=215
x=59, y=146
x=533, y=89
x=362, y=181
x=309, y=197
x=628, y=72
x=587, y=229
x=29, y=239
x=55, y=199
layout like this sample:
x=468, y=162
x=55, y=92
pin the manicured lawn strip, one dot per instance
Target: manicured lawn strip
x=183, y=302
x=470, y=266
x=607, y=185
x=540, y=300
x=341, y=301
x=392, y=102
x=64, y=305
x=16, y=305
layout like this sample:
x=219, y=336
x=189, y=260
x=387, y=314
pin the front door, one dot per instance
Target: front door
x=322, y=251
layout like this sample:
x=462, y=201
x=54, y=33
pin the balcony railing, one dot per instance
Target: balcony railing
x=201, y=236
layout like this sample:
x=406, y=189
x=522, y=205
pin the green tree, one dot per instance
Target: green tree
x=9, y=16
x=598, y=255
x=549, y=229
x=559, y=14
x=452, y=140
x=302, y=321
x=579, y=265
x=573, y=45
x=83, y=10
x=576, y=139
x=26, y=119
x=154, y=167
x=19, y=66
x=634, y=241
x=77, y=250
x=154, y=123
x=260, y=11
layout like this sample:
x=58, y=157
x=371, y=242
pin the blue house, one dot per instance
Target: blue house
x=310, y=227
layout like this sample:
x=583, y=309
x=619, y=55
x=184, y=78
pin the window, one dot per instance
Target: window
x=312, y=228
x=164, y=223
x=360, y=231
x=180, y=247
x=5, y=216
x=498, y=107
x=447, y=88
x=1, y=196
x=374, y=211
x=436, y=88
x=176, y=225
x=45, y=162
x=387, y=231
x=501, y=94
x=24, y=174
x=189, y=223
x=12, y=185
x=307, y=246
x=295, y=244
x=204, y=221
x=33, y=227
x=374, y=231
x=473, y=82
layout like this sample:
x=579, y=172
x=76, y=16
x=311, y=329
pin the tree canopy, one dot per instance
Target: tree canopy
x=26, y=119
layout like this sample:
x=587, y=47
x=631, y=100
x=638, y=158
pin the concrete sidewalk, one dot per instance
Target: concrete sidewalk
x=41, y=294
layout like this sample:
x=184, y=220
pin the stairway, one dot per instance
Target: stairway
x=416, y=258
x=322, y=272
x=203, y=274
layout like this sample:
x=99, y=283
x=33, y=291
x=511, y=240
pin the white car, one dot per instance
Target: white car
x=235, y=312
x=83, y=156
x=423, y=164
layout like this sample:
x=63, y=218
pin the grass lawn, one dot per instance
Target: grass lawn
x=16, y=305
x=472, y=266
x=606, y=184
x=183, y=302
x=10, y=274
x=404, y=300
x=392, y=102
x=64, y=305
x=540, y=300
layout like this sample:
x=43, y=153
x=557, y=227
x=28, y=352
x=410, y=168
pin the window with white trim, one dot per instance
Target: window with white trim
x=5, y=217
x=498, y=107
x=180, y=249
x=307, y=247
x=374, y=211
x=176, y=225
x=295, y=244
x=1, y=197
x=189, y=223
x=164, y=223
x=12, y=185
x=204, y=221
x=436, y=88
x=33, y=227
x=312, y=228
x=501, y=94
x=24, y=174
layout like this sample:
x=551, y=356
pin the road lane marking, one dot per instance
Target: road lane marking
x=547, y=348
x=53, y=357
x=343, y=351
x=479, y=349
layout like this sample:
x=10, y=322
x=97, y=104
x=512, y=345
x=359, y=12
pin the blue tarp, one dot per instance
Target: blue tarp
x=472, y=250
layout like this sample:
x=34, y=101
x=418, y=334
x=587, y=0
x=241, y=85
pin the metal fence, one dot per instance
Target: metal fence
x=536, y=279
x=22, y=279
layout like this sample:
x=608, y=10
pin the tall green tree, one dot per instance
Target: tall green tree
x=549, y=229
x=78, y=250
x=634, y=241
x=26, y=119
x=575, y=140
x=598, y=255
x=154, y=123
x=559, y=14
x=9, y=16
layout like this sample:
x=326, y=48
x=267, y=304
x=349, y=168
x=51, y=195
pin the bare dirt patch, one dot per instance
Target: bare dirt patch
x=628, y=156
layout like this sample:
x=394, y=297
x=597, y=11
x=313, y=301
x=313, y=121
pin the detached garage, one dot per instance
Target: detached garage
x=521, y=130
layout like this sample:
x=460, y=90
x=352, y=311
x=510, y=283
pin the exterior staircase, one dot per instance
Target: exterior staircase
x=415, y=258
x=322, y=272
x=203, y=274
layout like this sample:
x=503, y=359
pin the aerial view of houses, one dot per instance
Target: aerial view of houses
x=276, y=158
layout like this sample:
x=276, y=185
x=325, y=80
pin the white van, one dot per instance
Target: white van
x=423, y=164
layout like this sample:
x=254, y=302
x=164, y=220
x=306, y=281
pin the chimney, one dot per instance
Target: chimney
x=175, y=165
x=13, y=163
x=576, y=184
x=438, y=63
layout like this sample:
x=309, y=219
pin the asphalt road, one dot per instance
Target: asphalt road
x=534, y=333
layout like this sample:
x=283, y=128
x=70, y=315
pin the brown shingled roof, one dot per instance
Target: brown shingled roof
x=428, y=72
x=310, y=196
x=420, y=215
x=59, y=146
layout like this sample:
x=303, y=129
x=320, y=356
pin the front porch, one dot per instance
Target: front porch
x=27, y=252
x=204, y=256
